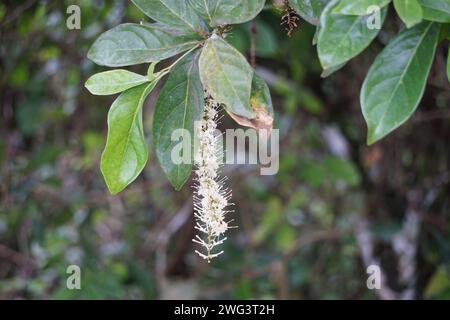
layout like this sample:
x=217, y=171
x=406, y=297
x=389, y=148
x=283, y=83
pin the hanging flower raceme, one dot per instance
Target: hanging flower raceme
x=211, y=197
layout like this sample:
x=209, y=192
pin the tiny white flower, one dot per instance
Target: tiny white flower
x=211, y=197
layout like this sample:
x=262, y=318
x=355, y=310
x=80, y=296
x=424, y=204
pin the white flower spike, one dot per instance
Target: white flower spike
x=211, y=197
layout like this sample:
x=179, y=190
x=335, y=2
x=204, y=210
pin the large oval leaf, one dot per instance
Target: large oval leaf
x=359, y=7
x=180, y=103
x=222, y=12
x=114, y=81
x=396, y=81
x=126, y=152
x=409, y=11
x=310, y=10
x=175, y=13
x=436, y=10
x=227, y=76
x=129, y=44
x=342, y=37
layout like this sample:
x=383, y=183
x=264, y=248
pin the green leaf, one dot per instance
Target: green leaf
x=126, y=153
x=180, y=103
x=114, y=81
x=396, y=81
x=261, y=103
x=174, y=13
x=227, y=76
x=342, y=37
x=436, y=10
x=359, y=7
x=409, y=11
x=222, y=12
x=310, y=10
x=129, y=44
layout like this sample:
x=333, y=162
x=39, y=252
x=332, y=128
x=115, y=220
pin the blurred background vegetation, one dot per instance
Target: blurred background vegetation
x=335, y=207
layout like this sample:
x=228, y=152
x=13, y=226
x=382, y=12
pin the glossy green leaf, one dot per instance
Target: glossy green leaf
x=310, y=10
x=409, y=11
x=222, y=12
x=114, y=81
x=227, y=76
x=436, y=10
x=174, y=13
x=396, y=81
x=179, y=104
x=359, y=7
x=129, y=44
x=342, y=37
x=126, y=151
x=261, y=103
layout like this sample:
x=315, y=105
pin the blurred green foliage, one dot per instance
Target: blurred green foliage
x=296, y=238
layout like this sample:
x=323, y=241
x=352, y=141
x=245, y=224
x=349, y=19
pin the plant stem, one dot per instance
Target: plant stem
x=167, y=70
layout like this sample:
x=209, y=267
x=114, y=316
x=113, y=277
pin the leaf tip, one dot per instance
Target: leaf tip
x=178, y=184
x=178, y=188
x=91, y=55
x=113, y=192
x=372, y=138
x=88, y=86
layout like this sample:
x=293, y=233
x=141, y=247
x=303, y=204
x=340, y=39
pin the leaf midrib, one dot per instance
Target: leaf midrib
x=223, y=71
x=135, y=114
x=357, y=20
x=397, y=86
x=134, y=83
x=215, y=8
x=159, y=49
x=207, y=10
